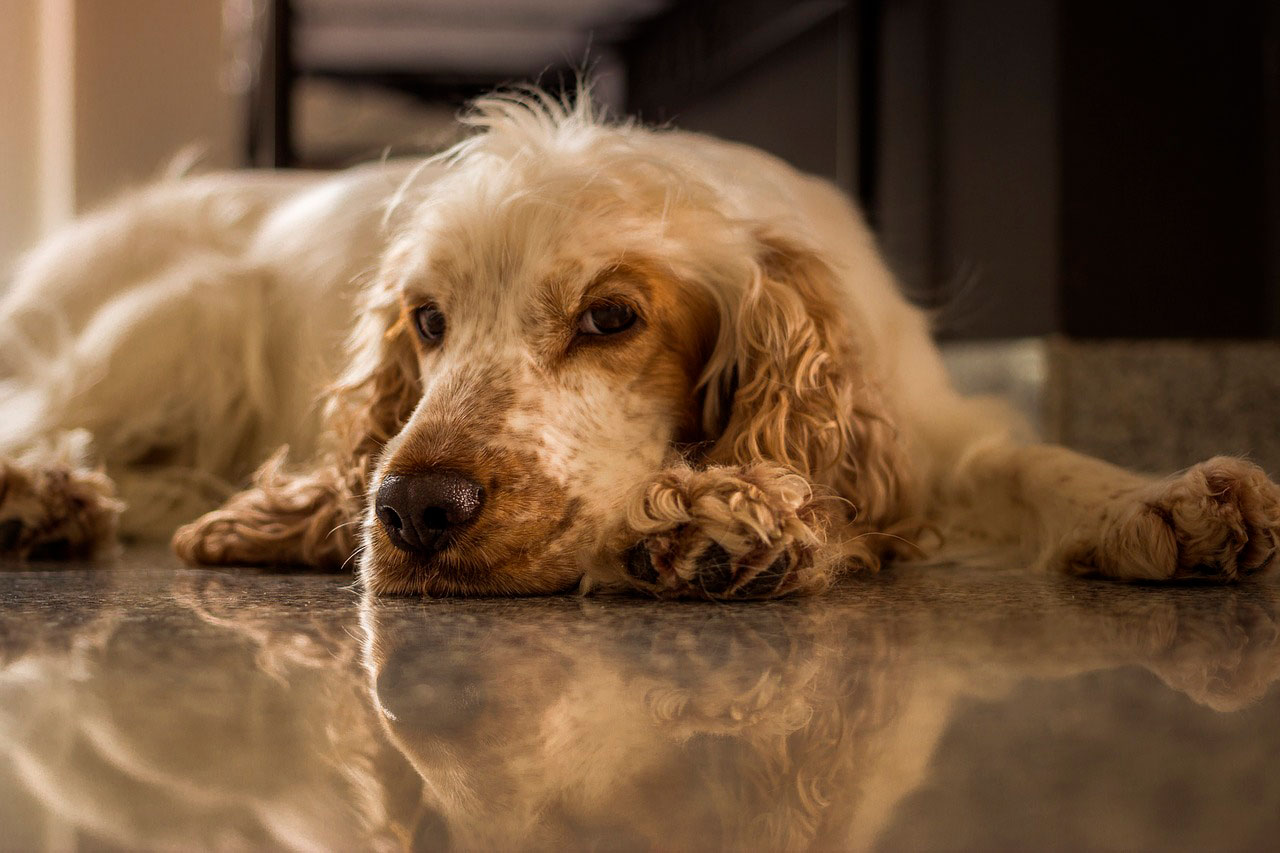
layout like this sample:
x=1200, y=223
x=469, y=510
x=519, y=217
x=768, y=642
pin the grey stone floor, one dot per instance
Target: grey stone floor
x=144, y=705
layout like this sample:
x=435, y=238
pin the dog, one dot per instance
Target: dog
x=566, y=353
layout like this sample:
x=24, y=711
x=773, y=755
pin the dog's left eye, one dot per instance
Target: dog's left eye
x=607, y=318
x=429, y=321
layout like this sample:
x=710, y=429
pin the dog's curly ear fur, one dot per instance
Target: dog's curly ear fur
x=788, y=385
x=311, y=517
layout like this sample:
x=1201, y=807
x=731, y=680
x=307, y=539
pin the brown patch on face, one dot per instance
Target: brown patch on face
x=688, y=321
x=663, y=354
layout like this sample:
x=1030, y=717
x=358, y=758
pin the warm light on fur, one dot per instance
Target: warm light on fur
x=776, y=416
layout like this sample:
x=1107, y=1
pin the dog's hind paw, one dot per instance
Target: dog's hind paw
x=1218, y=521
x=55, y=512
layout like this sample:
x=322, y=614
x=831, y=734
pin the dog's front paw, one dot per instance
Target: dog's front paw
x=54, y=512
x=1220, y=520
x=724, y=533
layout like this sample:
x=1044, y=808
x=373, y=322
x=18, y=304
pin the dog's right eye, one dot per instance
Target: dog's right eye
x=607, y=318
x=429, y=320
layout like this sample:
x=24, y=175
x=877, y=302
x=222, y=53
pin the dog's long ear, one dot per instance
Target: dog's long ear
x=310, y=517
x=374, y=398
x=787, y=385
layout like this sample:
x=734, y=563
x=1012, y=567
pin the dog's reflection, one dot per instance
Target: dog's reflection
x=617, y=727
x=204, y=715
x=794, y=725
x=219, y=714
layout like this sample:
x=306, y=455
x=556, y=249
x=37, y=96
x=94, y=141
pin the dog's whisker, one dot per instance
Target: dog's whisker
x=360, y=549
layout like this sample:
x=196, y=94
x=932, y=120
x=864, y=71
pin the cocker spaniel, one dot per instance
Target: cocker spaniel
x=578, y=353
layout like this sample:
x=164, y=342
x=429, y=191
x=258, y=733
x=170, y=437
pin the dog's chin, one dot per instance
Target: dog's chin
x=388, y=570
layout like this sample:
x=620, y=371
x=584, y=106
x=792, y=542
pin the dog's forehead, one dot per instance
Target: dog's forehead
x=508, y=232
x=509, y=268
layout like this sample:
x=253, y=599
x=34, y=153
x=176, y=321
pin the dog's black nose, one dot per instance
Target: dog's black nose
x=417, y=510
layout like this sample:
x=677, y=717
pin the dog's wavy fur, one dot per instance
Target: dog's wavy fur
x=777, y=416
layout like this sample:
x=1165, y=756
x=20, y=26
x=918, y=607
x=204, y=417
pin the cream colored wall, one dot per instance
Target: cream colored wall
x=101, y=94
x=148, y=82
x=19, y=209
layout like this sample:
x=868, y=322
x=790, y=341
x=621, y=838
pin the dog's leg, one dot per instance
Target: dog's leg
x=55, y=510
x=1219, y=520
x=309, y=519
x=726, y=533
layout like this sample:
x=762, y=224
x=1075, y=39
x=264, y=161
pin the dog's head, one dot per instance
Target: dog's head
x=565, y=308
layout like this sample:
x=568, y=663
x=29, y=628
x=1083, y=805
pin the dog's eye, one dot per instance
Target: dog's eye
x=607, y=318
x=430, y=322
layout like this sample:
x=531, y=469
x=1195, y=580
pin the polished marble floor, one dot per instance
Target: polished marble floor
x=144, y=705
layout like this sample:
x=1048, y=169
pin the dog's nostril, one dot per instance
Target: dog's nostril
x=435, y=518
x=389, y=518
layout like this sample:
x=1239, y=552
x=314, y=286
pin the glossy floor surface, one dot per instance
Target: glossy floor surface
x=148, y=706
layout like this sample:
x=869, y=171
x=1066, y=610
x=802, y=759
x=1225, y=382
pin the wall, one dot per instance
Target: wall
x=19, y=222
x=101, y=94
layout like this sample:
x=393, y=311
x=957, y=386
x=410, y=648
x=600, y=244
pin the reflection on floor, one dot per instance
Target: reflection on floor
x=145, y=705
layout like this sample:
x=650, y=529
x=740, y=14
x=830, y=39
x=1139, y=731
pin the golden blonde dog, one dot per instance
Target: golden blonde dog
x=577, y=354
